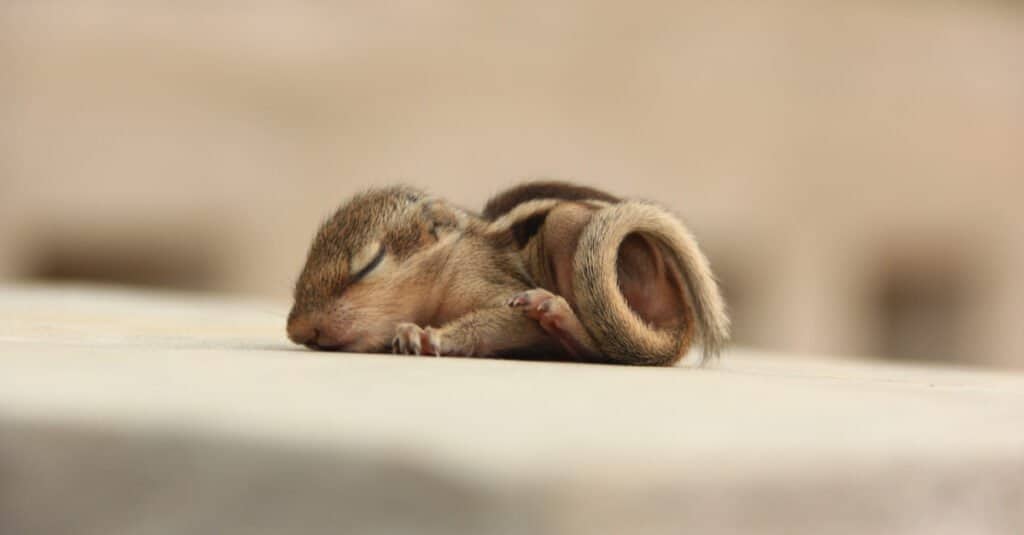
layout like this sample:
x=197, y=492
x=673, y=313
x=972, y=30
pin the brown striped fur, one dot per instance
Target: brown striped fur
x=626, y=280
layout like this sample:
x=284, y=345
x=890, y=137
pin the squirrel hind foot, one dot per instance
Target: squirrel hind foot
x=554, y=314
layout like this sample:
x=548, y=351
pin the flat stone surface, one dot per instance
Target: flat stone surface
x=138, y=412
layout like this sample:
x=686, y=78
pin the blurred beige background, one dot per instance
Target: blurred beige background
x=854, y=169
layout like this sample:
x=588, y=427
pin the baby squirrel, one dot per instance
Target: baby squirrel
x=548, y=270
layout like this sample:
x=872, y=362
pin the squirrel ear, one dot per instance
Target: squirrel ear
x=443, y=217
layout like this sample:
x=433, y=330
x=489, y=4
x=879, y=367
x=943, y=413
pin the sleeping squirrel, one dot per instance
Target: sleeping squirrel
x=548, y=270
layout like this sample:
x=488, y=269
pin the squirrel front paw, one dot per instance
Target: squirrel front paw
x=411, y=339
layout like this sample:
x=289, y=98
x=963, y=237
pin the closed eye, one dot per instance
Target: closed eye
x=369, y=267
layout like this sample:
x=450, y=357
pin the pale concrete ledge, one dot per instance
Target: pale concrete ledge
x=145, y=413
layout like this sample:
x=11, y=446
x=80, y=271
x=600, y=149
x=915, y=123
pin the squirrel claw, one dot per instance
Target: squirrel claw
x=538, y=303
x=518, y=300
x=411, y=339
x=531, y=299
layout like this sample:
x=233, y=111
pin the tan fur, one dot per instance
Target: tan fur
x=620, y=282
x=452, y=279
x=604, y=308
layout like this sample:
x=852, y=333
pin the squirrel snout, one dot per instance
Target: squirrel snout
x=313, y=334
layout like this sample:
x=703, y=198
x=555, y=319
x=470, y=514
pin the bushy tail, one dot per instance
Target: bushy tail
x=605, y=311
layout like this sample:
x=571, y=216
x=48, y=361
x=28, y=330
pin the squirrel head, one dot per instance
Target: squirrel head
x=371, y=265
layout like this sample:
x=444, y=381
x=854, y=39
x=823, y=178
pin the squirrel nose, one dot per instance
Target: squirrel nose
x=302, y=330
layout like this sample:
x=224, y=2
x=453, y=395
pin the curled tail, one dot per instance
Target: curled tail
x=619, y=331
